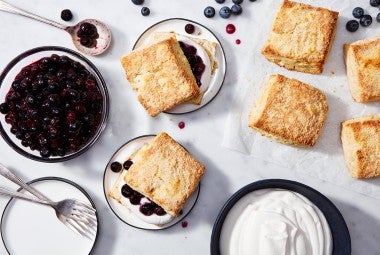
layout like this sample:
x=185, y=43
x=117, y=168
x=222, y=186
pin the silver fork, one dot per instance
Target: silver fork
x=78, y=216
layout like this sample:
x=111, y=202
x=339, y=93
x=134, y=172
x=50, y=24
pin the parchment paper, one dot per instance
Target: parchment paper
x=325, y=160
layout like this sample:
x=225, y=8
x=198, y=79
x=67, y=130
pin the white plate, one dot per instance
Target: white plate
x=177, y=25
x=121, y=211
x=29, y=228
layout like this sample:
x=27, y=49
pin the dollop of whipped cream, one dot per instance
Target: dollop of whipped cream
x=152, y=219
x=275, y=222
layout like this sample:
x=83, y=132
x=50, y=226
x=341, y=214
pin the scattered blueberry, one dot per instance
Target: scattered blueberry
x=116, y=167
x=366, y=20
x=225, y=12
x=220, y=1
x=145, y=11
x=358, y=12
x=352, y=25
x=378, y=17
x=189, y=28
x=66, y=15
x=374, y=3
x=236, y=9
x=252, y=0
x=137, y=2
x=237, y=1
x=209, y=12
x=127, y=164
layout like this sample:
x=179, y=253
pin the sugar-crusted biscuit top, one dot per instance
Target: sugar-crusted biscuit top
x=289, y=111
x=363, y=69
x=361, y=146
x=165, y=172
x=161, y=75
x=302, y=32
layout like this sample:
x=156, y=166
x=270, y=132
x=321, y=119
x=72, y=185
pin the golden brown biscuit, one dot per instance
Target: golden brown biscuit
x=208, y=46
x=363, y=69
x=165, y=172
x=361, y=146
x=289, y=111
x=301, y=37
x=161, y=75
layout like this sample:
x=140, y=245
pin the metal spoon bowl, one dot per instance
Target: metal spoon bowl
x=104, y=32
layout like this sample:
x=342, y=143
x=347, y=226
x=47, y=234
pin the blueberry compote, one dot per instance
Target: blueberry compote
x=135, y=198
x=87, y=34
x=54, y=106
x=195, y=61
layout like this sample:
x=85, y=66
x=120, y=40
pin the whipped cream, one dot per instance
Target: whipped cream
x=275, y=222
x=152, y=219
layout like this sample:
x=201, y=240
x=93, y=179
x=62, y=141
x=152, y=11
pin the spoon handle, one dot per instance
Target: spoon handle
x=12, y=9
x=14, y=178
x=16, y=194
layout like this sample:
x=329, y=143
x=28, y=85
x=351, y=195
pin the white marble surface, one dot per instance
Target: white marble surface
x=227, y=171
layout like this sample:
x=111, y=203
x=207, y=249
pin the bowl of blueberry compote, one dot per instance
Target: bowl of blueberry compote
x=53, y=104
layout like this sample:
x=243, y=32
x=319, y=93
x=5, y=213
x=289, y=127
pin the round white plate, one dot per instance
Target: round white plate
x=123, y=213
x=177, y=25
x=29, y=228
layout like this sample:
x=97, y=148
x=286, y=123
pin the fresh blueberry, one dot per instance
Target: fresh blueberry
x=236, y=9
x=358, y=12
x=237, y=1
x=366, y=20
x=209, y=12
x=374, y=3
x=137, y=2
x=378, y=17
x=252, y=0
x=66, y=15
x=352, y=25
x=220, y=1
x=225, y=12
x=145, y=11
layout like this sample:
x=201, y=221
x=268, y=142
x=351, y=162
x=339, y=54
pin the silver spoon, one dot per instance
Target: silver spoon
x=102, y=43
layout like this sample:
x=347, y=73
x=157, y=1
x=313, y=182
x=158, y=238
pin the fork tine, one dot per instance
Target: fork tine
x=85, y=212
x=85, y=227
x=73, y=227
x=84, y=207
x=89, y=207
x=84, y=218
x=79, y=228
